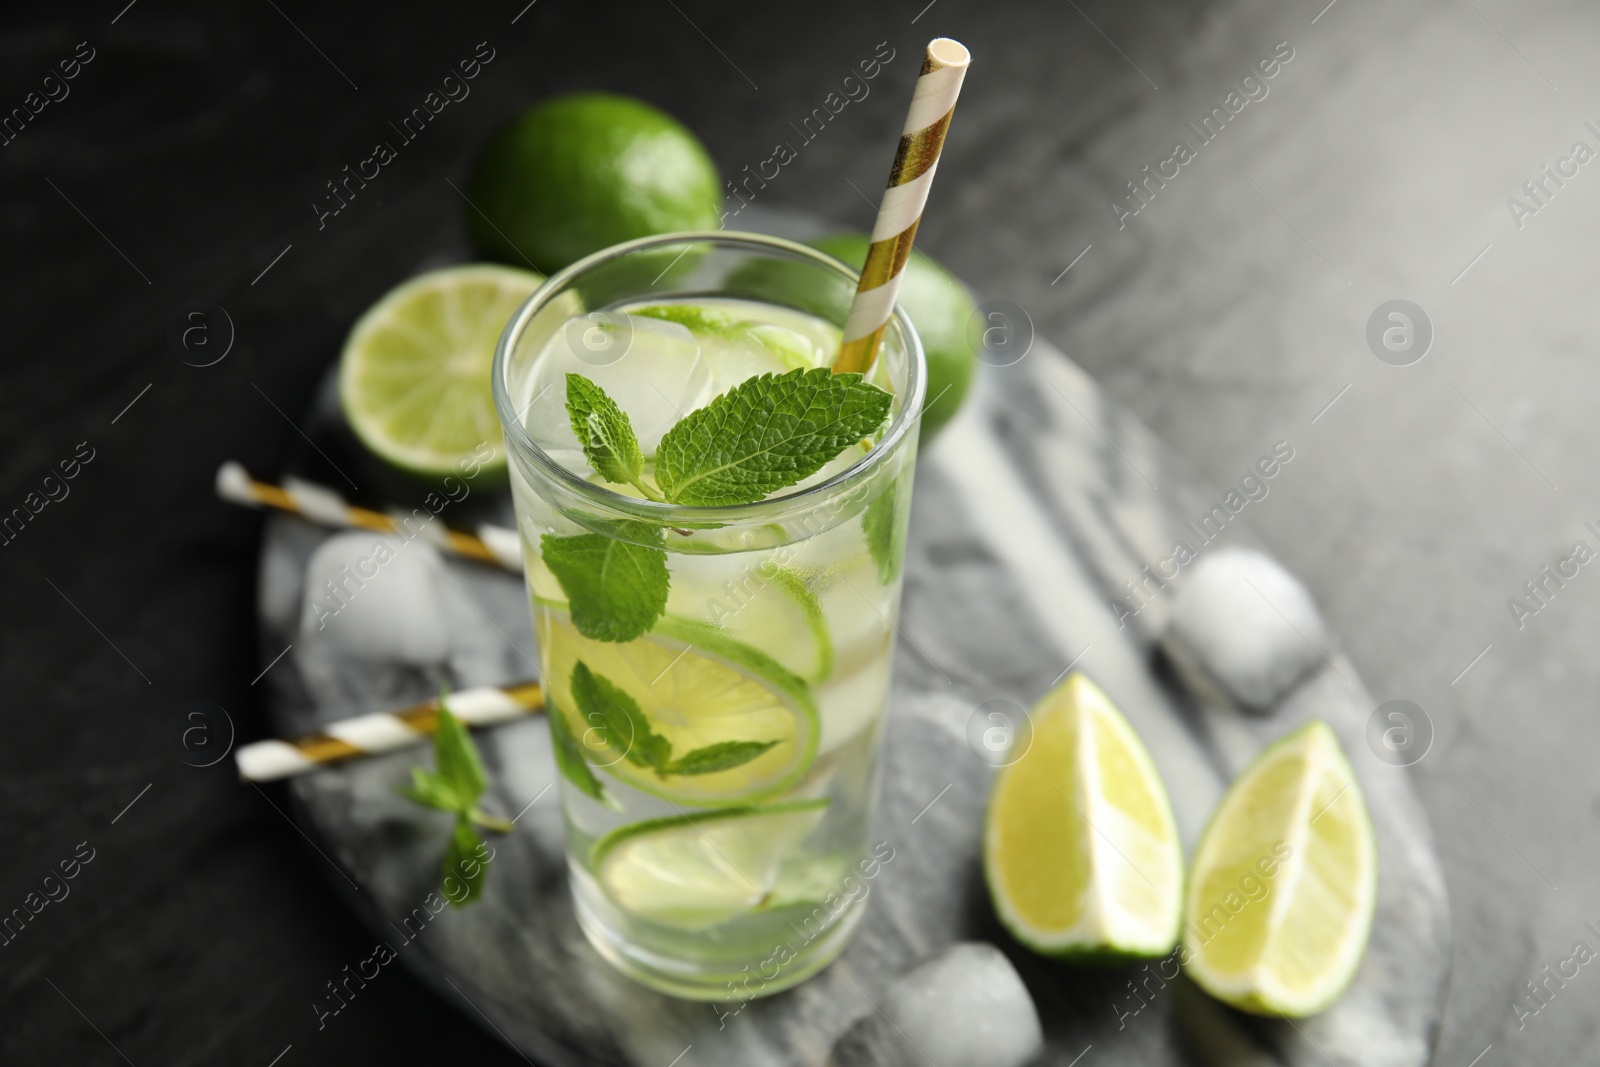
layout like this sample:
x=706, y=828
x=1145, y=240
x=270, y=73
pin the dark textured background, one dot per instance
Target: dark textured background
x=1228, y=314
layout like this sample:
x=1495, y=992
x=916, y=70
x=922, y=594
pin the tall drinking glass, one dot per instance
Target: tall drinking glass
x=716, y=677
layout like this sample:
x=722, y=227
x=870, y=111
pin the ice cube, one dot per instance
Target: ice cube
x=762, y=348
x=966, y=1007
x=379, y=598
x=651, y=368
x=1242, y=624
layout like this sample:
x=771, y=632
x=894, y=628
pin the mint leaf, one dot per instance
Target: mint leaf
x=479, y=817
x=616, y=715
x=570, y=761
x=431, y=790
x=457, y=758
x=766, y=433
x=616, y=589
x=461, y=861
x=721, y=756
x=606, y=433
x=886, y=534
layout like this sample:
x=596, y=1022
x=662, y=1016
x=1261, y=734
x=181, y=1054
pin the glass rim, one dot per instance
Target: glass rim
x=518, y=440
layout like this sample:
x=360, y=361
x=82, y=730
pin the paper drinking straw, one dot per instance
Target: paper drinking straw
x=325, y=507
x=384, y=731
x=943, y=67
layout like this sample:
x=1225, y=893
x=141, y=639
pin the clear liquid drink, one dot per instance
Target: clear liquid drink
x=716, y=676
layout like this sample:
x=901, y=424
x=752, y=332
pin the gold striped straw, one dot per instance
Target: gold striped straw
x=384, y=731
x=325, y=507
x=943, y=68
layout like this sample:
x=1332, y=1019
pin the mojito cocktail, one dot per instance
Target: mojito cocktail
x=713, y=527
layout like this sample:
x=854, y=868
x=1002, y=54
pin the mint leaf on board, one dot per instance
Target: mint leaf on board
x=765, y=434
x=886, y=534
x=431, y=790
x=722, y=756
x=457, y=759
x=462, y=863
x=606, y=434
x=456, y=787
x=617, y=715
x=570, y=761
x=616, y=589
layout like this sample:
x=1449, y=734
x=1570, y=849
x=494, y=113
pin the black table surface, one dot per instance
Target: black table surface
x=182, y=163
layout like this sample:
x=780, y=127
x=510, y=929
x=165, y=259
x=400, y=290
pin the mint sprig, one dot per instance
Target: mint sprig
x=618, y=719
x=456, y=787
x=765, y=434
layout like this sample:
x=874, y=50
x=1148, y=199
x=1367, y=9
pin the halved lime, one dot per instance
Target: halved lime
x=694, y=872
x=414, y=379
x=1080, y=848
x=695, y=688
x=1284, y=882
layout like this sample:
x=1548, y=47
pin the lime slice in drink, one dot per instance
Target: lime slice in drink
x=694, y=872
x=414, y=379
x=695, y=688
x=1284, y=882
x=1080, y=849
x=778, y=609
x=736, y=348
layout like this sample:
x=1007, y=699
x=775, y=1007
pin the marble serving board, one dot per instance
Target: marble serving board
x=1031, y=510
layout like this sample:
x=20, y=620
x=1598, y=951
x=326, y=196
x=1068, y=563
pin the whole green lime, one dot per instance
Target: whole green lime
x=578, y=173
x=940, y=309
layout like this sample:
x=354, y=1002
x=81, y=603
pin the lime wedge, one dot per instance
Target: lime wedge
x=414, y=379
x=694, y=872
x=1284, y=882
x=1080, y=848
x=695, y=688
